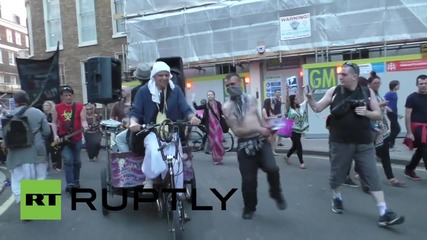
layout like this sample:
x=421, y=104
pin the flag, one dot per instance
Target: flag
x=40, y=78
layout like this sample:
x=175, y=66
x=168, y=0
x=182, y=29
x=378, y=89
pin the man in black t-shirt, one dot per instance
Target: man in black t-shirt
x=416, y=126
x=352, y=109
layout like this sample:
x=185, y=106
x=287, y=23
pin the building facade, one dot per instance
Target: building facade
x=83, y=28
x=13, y=43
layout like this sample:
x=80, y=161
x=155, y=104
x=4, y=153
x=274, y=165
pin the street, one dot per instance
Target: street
x=308, y=216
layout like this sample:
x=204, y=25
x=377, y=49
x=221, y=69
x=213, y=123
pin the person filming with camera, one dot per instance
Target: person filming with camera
x=352, y=109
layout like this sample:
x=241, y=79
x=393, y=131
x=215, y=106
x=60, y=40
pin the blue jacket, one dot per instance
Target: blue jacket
x=145, y=110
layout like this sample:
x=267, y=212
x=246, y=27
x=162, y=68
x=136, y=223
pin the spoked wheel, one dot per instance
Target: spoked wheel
x=228, y=142
x=189, y=186
x=175, y=219
x=195, y=140
x=162, y=205
x=104, y=185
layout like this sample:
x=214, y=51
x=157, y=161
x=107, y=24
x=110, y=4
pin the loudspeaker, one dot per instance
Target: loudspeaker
x=177, y=70
x=103, y=79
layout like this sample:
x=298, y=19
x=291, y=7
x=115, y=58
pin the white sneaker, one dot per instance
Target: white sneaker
x=148, y=184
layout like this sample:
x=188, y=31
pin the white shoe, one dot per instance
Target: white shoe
x=148, y=184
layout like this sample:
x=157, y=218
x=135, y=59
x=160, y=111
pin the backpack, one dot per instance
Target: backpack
x=17, y=131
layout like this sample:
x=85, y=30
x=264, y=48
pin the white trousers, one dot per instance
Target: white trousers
x=121, y=142
x=154, y=165
x=28, y=171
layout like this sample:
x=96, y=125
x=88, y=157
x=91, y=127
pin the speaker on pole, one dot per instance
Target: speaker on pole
x=103, y=79
x=177, y=70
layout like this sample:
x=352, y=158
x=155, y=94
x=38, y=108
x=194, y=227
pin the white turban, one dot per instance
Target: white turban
x=158, y=67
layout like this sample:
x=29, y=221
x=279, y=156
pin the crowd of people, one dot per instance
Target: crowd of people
x=355, y=104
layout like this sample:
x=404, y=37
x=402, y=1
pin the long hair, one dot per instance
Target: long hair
x=292, y=101
x=267, y=106
x=363, y=81
x=373, y=76
x=52, y=106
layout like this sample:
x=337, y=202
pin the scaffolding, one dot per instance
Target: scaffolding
x=202, y=31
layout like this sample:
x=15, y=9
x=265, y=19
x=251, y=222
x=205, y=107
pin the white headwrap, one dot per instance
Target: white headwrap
x=158, y=67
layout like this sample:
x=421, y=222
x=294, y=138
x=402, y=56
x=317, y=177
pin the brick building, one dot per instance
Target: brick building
x=84, y=28
x=13, y=43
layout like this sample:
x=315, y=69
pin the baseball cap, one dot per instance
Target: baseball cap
x=142, y=72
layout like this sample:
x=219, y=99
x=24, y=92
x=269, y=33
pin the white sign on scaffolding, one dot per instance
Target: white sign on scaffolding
x=294, y=27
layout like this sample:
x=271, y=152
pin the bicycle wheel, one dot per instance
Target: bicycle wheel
x=104, y=185
x=176, y=219
x=195, y=140
x=228, y=142
x=189, y=186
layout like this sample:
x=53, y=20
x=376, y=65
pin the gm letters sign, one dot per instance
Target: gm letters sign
x=321, y=79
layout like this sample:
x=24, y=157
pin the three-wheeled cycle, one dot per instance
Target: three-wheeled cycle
x=123, y=173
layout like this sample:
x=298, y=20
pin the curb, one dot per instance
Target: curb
x=396, y=161
x=2, y=179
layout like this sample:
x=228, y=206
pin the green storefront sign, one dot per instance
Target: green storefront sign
x=321, y=79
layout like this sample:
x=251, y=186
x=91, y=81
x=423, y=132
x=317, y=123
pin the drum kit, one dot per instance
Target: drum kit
x=110, y=128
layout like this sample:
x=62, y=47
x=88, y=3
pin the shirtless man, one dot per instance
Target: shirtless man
x=254, y=149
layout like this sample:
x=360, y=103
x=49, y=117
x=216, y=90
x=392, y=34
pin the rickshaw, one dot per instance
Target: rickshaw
x=123, y=172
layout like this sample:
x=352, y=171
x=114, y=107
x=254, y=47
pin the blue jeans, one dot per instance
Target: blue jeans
x=72, y=162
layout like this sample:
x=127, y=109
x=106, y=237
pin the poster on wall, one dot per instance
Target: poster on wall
x=321, y=79
x=294, y=27
x=292, y=83
x=272, y=84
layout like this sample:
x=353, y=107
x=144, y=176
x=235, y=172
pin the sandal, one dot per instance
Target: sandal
x=396, y=183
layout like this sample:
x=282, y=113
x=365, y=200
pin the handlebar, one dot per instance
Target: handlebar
x=160, y=131
x=151, y=126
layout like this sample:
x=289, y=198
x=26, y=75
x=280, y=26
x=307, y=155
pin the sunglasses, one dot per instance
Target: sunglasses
x=352, y=65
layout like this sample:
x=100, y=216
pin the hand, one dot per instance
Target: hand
x=56, y=139
x=309, y=95
x=410, y=136
x=135, y=127
x=195, y=121
x=265, y=132
x=383, y=103
x=361, y=111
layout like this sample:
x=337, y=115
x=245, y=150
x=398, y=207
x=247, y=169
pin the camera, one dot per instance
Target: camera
x=356, y=103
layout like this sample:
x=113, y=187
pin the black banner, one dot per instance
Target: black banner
x=40, y=78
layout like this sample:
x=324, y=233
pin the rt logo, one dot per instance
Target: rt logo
x=40, y=200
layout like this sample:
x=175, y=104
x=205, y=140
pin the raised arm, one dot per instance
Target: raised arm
x=323, y=103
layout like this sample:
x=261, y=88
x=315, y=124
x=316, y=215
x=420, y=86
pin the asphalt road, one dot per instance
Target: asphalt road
x=308, y=216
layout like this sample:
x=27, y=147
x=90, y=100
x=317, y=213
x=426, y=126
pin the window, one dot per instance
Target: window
x=1, y=79
x=86, y=22
x=9, y=35
x=123, y=61
x=13, y=80
x=52, y=22
x=11, y=58
x=62, y=79
x=17, y=19
x=117, y=11
x=27, y=42
x=1, y=56
x=18, y=38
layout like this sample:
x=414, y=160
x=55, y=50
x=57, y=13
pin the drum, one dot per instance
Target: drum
x=110, y=125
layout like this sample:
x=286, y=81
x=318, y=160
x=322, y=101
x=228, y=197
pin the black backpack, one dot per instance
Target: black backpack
x=17, y=131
